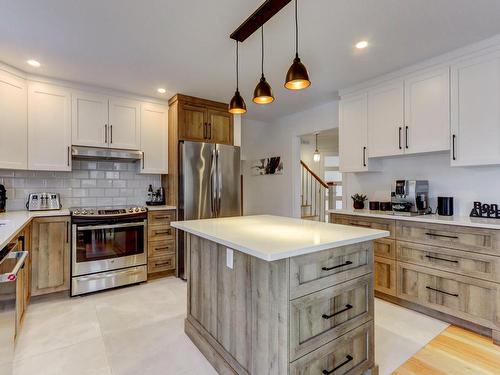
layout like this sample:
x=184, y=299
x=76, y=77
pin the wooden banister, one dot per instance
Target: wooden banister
x=316, y=177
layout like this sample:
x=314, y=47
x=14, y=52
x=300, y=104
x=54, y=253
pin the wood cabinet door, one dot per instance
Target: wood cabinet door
x=154, y=138
x=475, y=119
x=193, y=123
x=220, y=127
x=50, y=242
x=13, y=109
x=427, y=112
x=385, y=120
x=49, y=127
x=124, y=124
x=385, y=275
x=353, y=141
x=89, y=119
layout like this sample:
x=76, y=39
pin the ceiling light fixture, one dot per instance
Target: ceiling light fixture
x=237, y=105
x=161, y=90
x=316, y=155
x=33, y=63
x=297, y=77
x=362, y=44
x=263, y=94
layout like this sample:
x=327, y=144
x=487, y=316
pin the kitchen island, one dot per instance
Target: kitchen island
x=276, y=295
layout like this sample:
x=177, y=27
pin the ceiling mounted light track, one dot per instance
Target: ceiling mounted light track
x=237, y=105
x=263, y=94
x=297, y=77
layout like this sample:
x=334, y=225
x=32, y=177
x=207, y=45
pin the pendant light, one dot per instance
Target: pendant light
x=263, y=94
x=237, y=105
x=297, y=77
x=316, y=155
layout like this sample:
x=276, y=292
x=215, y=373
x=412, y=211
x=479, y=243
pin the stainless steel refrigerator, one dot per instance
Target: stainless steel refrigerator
x=209, y=186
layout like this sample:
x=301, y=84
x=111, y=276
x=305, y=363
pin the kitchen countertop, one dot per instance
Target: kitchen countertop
x=162, y=207
x=275, y=237
x=465, y=221
x=11, y=222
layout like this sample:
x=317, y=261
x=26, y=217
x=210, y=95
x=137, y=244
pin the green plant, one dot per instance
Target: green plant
x=358, y=197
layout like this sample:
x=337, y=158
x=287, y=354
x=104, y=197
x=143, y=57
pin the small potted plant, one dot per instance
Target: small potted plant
x=358, y=201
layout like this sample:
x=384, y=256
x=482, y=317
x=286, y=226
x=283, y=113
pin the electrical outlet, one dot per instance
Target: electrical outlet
x=229, y=258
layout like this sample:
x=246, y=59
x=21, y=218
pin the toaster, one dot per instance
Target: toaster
x=43, y=201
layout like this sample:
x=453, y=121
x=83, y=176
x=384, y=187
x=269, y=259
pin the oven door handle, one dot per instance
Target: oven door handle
x=111, y=226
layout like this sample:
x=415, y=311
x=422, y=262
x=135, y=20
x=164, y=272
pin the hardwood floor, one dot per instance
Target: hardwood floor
x=455, y=352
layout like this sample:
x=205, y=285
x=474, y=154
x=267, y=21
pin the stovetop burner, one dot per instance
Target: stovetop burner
x=113, y=211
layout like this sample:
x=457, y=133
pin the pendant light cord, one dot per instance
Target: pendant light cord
x=296, y=31
x=262, y=40
x=237, y=69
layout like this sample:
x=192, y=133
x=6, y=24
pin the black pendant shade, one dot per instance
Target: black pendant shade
x=263, y=94
x=237, y=105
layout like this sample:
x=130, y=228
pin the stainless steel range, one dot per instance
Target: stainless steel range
x=108, y=248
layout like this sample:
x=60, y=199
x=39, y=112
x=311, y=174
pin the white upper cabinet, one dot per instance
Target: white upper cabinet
x=49, y=127
x=385, y=120
x=154, y=138
x=13, y=120
x=475, y=114
x=427, y=112
x=124, y=123
x=89, y=119
x=353, y=133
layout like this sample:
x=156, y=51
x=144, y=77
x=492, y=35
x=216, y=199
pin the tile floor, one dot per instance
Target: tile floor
x=140, y=330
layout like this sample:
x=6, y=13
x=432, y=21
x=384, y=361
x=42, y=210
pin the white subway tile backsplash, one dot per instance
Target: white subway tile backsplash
x=98, y=174
x=88, y=183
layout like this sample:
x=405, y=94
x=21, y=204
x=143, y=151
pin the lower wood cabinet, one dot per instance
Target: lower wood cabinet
x=161, y=242
x=50, y=246
x=385, y=275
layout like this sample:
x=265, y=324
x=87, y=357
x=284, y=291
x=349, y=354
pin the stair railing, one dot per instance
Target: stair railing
x=313, y=196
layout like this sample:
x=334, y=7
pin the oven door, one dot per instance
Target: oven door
x=110, y=246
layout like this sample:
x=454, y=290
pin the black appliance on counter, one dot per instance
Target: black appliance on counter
x=445, y=206
x=3, y=198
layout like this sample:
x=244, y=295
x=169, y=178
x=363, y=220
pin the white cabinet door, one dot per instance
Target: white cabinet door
x=13, y=122
x=353, y=134
x=89, y=119
x=154, y=138
x=475, y=113
x=124, y=123
x=49, y=127
x=385, y=120
x=427, y=112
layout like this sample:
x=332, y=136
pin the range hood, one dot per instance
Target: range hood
x=82, y=152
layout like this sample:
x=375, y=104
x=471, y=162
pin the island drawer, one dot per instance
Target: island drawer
x=163, y=217
x=162, y=263
x=479, y=240
x=366, y=222
x=465, y=263
x=467, y=298
x=384, y=247
x=351, y=353
x=320, y=317
x=312, y=272
x=159, y=248
x=160, y=233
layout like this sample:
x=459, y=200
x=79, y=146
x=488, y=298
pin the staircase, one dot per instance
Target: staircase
x=314, y=191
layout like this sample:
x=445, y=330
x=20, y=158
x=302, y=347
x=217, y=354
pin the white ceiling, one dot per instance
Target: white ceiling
x=184, y=45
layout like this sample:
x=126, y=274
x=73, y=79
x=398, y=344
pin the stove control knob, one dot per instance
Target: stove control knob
x=136, y=209
x=143, y=209
x=84, y=212
x=76, y=212
x=130, y=210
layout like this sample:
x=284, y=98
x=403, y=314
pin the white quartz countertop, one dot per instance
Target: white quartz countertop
x=12, y=222
x=275, y=237
x=161, y=208
x=466, y=221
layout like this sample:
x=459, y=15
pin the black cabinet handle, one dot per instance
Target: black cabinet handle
x=446, y=260
x=364, y=156
x=442, y=291
x=453, y=137
x=143, y=157
x=105, y=133
x=400, y=129
x=406, y=136
x=209, y=130
x=68, y=155
x=347, y=307
x=204, y=130
x=348, y=358
x=67, y=232
x=111, y=134
x=441, y=235
x=340, y=265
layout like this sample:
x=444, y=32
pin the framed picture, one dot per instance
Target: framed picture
x=272, y=165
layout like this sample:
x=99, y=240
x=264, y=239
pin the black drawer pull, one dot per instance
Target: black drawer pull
x=163, y=231
x=442, y=291
x=163, y=263
x=340, y=265
x=348, y=358
x=347, y=307
x=446, y=260
x=441, y=235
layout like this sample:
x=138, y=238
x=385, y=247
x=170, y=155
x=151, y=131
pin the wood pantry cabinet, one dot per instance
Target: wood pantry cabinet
x=161, y=243
x=198, y=120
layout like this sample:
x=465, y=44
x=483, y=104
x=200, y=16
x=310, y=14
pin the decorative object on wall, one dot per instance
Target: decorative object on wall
x=272, y=165
x=358, y=201
x=316, y=155
x=297, y=77
x=237, y=104
x=485, y=210
x=263, y=94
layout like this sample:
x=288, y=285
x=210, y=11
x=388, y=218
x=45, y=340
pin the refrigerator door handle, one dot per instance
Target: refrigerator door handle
x=219, y=184
x=213, y=183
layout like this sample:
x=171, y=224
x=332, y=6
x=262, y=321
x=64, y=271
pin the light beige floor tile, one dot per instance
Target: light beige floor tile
x=84, y=358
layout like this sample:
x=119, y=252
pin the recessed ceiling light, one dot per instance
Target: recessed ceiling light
x=362, y=44
x=33, y=63
x=161, y=90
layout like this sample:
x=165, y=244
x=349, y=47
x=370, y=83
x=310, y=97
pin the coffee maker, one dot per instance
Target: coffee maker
x=410, y=197
x=3, y=198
